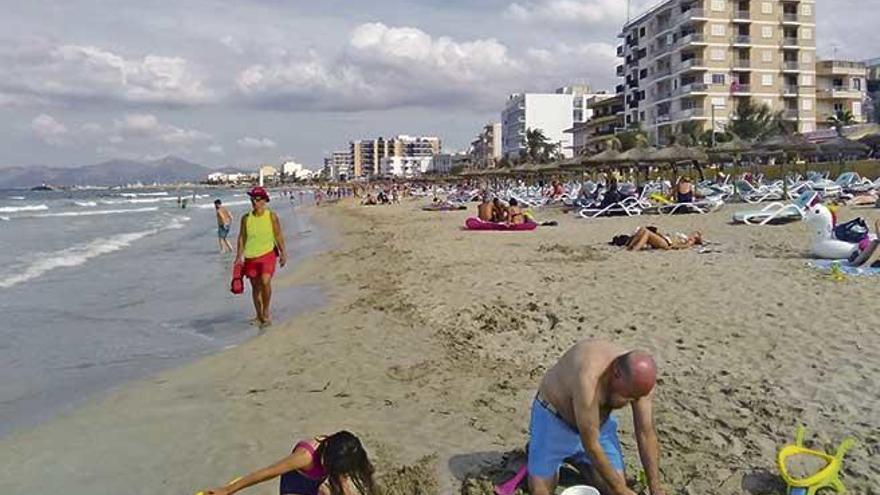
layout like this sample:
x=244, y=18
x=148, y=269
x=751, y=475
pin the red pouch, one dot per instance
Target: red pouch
x=237, y=285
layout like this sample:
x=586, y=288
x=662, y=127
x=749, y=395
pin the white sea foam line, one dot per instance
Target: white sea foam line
x=16, y=209
x=91, y=213
x=17, y=198
x=231, y=203
x=81, y=253
x=135, y=195
x=85, y=204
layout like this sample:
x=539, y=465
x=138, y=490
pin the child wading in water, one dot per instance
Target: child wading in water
x=334, y=465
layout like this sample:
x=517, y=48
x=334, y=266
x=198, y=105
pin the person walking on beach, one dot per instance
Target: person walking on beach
x=260, y=245
x=334, y=465
x=224, y=224
x=571, y=417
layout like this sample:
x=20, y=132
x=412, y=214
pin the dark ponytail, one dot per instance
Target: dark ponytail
x=343, y=456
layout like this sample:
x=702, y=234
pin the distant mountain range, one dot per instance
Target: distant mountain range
x=170, y=169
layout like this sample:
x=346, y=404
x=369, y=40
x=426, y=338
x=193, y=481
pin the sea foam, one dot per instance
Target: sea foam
x=16, y=209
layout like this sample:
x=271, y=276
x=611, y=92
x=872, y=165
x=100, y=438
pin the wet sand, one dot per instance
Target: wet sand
x=435, y=338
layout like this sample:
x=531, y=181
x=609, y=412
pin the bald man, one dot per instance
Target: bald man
x=571, y=417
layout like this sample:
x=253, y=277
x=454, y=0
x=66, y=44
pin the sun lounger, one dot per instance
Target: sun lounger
x=627, y=207
x=751, y=194
x=778, y=212
x=707, y=205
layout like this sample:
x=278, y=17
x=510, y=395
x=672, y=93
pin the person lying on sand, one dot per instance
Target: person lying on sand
x=333, y=465
x=651, y=238
x=571, y=417
x=486, y=210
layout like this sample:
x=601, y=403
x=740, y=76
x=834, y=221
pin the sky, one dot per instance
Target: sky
x=241, y=82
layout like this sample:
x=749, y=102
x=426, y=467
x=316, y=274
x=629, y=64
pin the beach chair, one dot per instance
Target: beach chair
x=629, y=207
x=752, y=194
x=778, y=212
x=706, y=205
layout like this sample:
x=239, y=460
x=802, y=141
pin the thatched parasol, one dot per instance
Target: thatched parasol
x=604, y=157
x=677, y=153
x=786, y=143
x=844, y=146
x=637, y=155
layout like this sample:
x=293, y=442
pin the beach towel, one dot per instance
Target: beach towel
x=825, y=266
x=474, y=223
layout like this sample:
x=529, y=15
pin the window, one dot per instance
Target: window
x=642, y=32
x=719, y=54
x=807, y=33
x=838, y=107
x=766, y=8
x=718, y=5
x=806, y=9
x=767, y=79
x=807, y=104
x=857, y=109
x=641, y=115
x=719, y=101
x=718, y=78
x=857, y=84
x=767, y=31
x=767, y=56
x=718, y=30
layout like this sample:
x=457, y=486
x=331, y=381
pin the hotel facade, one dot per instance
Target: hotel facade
x=696, y=60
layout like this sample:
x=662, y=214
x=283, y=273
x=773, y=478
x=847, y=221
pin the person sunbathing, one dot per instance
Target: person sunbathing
x=499, y=211
x=651, y=238
x=486, y=210
x=515, y=214
x=684, y=191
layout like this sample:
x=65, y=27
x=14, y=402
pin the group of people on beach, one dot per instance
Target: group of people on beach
x=571, y=422
x=495, y=210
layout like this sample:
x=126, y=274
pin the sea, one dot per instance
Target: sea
x=100, y=287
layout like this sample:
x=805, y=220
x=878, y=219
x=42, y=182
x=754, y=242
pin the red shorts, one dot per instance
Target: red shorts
x=261, y=265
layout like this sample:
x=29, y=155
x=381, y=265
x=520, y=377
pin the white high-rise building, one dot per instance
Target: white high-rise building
x=552, y=113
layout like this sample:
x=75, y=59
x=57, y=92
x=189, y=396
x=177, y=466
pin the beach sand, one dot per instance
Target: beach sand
x=435, y=339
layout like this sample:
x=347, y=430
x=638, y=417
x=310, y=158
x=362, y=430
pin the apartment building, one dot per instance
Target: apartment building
x=486, y=149
x=367, y=155
x=841, y=86
x=873, y=76
x=553, y=113
x=695, y=60
x=594, y=135
x=338, y=165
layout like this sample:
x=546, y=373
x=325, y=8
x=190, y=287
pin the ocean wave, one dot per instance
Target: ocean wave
x=91, y=213
x=5, y=219
x=231, y=203
x=135, y=201
x=17, y=198
x=85, y=204
x=16, y=209
x=135, y=195
x=81, y=253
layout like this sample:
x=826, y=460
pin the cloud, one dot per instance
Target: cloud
x=591, y=12
x=256, y=143
x=66, y=74
x=215, y=149
x=49, y=130
x=148, y=128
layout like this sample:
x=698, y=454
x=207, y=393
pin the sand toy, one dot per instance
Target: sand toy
x=807, y=471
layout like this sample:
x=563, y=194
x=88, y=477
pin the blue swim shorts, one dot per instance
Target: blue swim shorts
x=223, y=231
x=552, y=441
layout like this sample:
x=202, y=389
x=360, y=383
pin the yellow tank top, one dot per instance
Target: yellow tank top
x=260, y=235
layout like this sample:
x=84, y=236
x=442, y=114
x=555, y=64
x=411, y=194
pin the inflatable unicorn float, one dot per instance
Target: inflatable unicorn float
x=825, y=244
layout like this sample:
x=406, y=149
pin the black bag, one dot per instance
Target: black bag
x=853, y=231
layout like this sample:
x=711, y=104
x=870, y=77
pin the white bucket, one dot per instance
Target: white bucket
x=580, y=490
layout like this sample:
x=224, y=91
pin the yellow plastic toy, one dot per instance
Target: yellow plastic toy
x=827, y=477
x=658, y=197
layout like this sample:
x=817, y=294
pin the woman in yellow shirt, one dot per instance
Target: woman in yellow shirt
x=260, y=245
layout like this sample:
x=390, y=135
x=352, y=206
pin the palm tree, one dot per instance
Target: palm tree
x=841, y=119
x=755, y=122
x=634, y=137
x=539, y=149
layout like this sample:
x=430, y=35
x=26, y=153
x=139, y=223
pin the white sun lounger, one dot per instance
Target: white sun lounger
x=778, y=212
x=628, y=207
x=707, y=205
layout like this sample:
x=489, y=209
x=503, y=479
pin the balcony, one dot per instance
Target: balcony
x=742, y=39
x=620, y=71
x=661, y=72
x=842, y=92
x=693, y=88
x=742, y=64
x=791, y=66
x=691, y=63
x=691, y=113
x=693, y=14
x=788, y=18
x=740, y=89
x=661, y=49
x=742, y=16
x=790, y=90
x=790, y=114
x=790, y=42
x=664, y=118
x=664, y=95
x=620, y=51
x=692, y=39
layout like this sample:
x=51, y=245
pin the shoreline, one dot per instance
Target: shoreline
x=433, y=340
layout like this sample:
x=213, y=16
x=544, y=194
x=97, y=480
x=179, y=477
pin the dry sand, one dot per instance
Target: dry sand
x=435, y=340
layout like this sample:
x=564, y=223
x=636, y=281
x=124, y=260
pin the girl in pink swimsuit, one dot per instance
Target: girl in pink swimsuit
x=323, y=466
